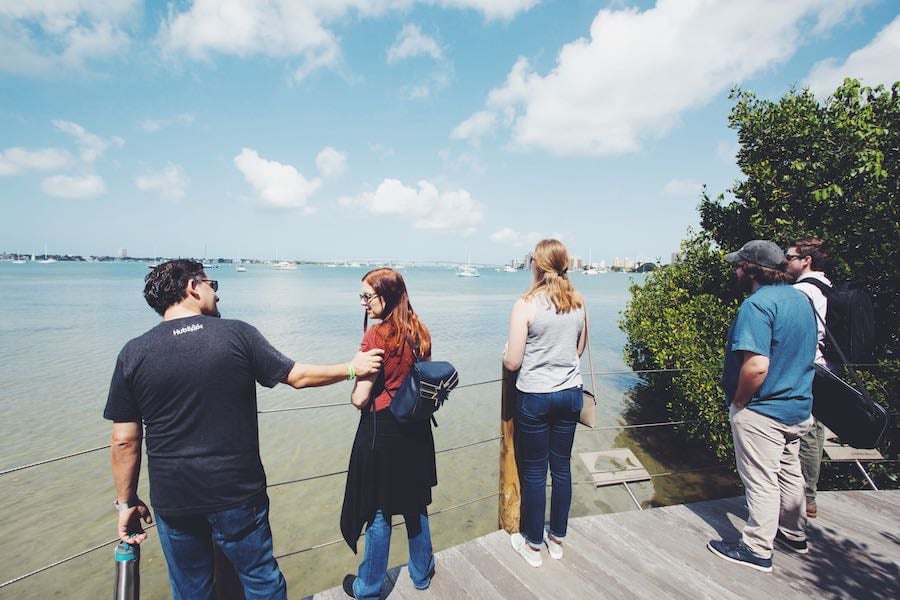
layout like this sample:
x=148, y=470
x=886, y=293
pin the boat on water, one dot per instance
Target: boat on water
x=467, y=270
x=589, y=268
x=18, y=260
x=284, y=265
x=47, y=259
x=510, y=269
x=240, y=269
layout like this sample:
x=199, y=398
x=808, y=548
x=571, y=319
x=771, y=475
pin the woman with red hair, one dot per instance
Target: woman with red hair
x=392, y=467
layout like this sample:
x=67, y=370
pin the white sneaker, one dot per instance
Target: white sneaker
x=555, y=548
x=520, y=545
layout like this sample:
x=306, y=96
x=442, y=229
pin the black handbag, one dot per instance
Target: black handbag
x=850, y=412
x=423, y=391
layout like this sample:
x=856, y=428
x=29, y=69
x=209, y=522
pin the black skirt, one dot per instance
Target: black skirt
x=392, y=468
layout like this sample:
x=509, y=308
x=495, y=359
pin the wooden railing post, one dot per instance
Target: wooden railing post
x=510, y=492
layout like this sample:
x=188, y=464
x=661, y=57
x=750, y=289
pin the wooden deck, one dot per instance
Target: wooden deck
x=661, y=553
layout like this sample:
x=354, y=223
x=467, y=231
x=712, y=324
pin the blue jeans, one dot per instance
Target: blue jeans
x=545, y=433
x=375, y=559
x=244, y=536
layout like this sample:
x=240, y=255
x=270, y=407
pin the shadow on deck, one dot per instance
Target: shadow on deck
x=661, y=553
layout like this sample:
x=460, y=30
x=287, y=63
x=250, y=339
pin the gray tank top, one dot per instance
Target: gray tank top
x=551, y=362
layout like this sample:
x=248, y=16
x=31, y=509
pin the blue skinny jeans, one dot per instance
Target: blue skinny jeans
x=375, y=558
x=545, y=431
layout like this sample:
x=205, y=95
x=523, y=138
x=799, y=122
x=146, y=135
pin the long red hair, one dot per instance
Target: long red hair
x=398, y=320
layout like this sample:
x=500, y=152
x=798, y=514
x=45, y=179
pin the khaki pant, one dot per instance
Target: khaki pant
x=812, y=444
x=767, y=458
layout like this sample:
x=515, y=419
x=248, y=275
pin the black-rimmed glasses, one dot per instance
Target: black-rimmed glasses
x=790, y=257
x=367, y=297
x=212, y=283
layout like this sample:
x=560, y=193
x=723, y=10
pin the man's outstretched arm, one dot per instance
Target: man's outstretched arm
x=363, y=364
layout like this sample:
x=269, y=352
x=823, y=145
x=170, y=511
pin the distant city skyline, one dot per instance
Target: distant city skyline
x=431, y=130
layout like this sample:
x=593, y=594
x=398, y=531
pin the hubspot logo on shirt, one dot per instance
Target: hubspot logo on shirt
x=188, y=329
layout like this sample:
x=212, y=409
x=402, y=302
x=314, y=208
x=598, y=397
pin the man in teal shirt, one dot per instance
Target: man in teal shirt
x=767, y=379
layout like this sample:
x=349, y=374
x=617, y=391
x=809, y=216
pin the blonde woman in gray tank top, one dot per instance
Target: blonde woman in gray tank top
x=547, y=335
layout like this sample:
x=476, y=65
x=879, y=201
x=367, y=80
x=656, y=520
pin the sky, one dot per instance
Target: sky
x=405, y=129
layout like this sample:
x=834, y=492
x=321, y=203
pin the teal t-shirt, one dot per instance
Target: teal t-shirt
x=775, y=321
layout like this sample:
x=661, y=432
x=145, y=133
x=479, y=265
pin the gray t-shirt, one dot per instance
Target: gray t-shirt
x=551, y=362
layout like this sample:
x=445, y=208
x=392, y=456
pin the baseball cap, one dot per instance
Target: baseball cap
x=759, y=252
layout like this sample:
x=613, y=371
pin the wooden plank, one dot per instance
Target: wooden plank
x=456, y=577
x=612, y=577
x=654, y=577
x=551, y=580
x=661, y=553
x=494, y=570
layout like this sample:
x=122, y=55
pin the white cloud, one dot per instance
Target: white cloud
x=331, y=162
x=170, y=182
x=151, y=125
x=463, y=160
x=425, y=205
x=289, y=29
x=51, y=38
x=276, y=185
x=873, y=64
x=15, y=161
x=64, y=186
x=475, y=126
x=638, y=71
x=681, y=187
x=92, y=146
x=508, y=235
x=412, y=42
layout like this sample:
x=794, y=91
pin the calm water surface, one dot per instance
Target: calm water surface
x=63, y=324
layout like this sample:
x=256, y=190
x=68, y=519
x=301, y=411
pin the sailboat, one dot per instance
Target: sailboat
x=46, y=259
x=19, y=260
x=467, y=270
x=589, y=268
x=283, y=265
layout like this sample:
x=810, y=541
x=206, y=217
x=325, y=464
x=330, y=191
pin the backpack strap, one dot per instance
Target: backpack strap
x=823, y=287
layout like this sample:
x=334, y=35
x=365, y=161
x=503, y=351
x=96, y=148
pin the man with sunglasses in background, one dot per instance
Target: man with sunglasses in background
x=807, y=259
x=767, y=378
x=191, y=381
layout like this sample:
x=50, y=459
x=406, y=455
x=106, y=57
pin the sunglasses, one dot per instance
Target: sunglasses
x=212, y=283
x=366, y=297
x=790, y=257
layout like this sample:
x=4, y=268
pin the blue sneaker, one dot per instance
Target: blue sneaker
x=739, y=553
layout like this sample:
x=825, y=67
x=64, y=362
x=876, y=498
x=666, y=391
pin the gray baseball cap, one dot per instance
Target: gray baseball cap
x=759, y=252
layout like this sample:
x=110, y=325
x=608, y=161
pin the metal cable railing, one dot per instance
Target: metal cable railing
x=468, y=385
x=442, y=451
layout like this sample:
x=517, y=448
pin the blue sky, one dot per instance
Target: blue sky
x=337, y=129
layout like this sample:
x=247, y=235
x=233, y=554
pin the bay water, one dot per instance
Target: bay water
x=63, y=324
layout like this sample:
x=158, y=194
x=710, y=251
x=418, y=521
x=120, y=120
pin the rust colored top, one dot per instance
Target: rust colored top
x=396, y=365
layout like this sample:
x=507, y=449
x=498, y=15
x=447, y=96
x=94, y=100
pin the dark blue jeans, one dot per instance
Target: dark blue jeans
x=244, y=536
x=545, y=430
